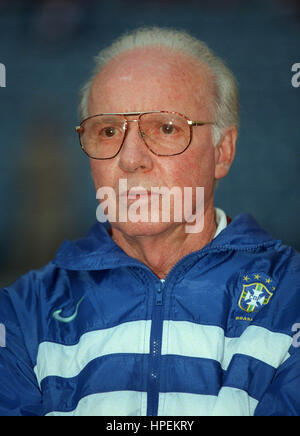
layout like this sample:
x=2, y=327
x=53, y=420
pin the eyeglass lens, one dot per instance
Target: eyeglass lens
x=164, y=134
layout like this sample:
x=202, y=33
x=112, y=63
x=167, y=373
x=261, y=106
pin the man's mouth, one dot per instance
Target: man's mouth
x=136, y=194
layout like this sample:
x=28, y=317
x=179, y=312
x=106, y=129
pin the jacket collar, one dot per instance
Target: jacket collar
x=97, y=250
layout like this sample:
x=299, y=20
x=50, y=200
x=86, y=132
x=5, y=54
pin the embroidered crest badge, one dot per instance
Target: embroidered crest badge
x=257, y=291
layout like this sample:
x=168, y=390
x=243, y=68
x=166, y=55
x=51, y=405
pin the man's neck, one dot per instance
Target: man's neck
x=160, y=252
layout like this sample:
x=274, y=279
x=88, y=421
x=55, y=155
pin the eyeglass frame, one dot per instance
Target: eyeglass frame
x=141, y=133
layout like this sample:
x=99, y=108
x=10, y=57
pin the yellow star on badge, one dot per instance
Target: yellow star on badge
x=246, y=278
x=273, y=288
x=257, y=276
x=268, y=280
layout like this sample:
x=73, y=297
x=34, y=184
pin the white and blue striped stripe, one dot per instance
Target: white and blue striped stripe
x=69, y=360
x=119, y=403
x=209, y=342
x=186, y=346
x=229, y=402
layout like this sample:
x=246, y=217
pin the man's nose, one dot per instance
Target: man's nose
x=134, y=154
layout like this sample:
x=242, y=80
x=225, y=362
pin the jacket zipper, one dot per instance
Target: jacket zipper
x=156, y=337
x=155, y=352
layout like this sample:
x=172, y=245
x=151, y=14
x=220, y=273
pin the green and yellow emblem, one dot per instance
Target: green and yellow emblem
x=257, y=291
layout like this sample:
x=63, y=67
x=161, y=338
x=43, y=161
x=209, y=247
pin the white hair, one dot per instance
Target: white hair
x=226, y=100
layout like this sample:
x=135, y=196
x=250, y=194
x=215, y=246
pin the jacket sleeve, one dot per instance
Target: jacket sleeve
x=19, y=391
x=282, y=398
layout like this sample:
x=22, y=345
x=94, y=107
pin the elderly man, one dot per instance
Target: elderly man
x=152, y=316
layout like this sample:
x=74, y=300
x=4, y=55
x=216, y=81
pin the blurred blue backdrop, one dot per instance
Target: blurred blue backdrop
x=47, y=47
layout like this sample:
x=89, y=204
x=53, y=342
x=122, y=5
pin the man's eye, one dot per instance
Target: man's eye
x=167, y=129
x=108, y=132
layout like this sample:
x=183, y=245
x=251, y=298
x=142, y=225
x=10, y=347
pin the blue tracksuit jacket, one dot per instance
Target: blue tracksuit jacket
x=95, y=332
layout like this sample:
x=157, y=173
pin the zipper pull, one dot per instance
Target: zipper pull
x=159, y=292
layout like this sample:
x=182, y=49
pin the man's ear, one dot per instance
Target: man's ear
x=225, y=151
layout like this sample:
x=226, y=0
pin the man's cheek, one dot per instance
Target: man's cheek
x=99, y=174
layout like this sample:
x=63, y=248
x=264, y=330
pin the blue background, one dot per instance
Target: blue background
x=46, y=191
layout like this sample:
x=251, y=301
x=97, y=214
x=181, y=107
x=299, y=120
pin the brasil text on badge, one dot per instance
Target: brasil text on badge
x=257, y=290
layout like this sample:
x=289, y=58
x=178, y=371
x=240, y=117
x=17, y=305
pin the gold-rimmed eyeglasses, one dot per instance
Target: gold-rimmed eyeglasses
x=164, y=133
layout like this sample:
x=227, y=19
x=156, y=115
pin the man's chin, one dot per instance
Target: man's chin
x=138, y=229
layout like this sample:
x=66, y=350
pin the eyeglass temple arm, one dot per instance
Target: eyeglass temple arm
x=199, y=123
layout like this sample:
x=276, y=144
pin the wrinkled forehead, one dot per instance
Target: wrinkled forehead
x=151, y=78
